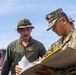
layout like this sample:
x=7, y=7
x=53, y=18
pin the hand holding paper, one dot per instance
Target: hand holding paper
x=23, y=63
x=18, y=69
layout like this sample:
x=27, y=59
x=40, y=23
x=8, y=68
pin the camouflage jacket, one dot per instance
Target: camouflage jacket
x=70, y=40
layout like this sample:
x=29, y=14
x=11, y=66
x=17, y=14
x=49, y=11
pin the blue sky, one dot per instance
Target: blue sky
x=35, y=10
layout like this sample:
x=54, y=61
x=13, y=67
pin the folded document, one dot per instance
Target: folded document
x=60, y=58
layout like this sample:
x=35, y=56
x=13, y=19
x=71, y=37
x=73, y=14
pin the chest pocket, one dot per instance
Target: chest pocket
x=17, y=54
x=29, y=51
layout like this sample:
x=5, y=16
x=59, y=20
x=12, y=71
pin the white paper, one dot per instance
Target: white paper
x=24, y=62
x=30, y=66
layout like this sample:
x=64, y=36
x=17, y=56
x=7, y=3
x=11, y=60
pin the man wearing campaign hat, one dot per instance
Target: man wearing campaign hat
x=24, y=46
x=23, y=23
x=60, y=24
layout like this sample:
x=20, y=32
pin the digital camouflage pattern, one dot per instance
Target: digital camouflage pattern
x=70, y=40
x=53, y=17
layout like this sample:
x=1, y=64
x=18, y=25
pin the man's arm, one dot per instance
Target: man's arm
x=6, y=63
x=43, y=71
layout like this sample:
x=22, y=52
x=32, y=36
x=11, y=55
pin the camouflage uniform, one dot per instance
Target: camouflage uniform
x=70, y=40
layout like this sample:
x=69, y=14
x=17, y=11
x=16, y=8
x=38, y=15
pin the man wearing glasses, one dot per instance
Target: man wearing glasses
x=59, y=23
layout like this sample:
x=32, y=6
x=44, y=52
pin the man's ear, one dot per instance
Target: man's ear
x=64, y=20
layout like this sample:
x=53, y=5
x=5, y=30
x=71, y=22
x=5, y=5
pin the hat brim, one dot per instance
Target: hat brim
x=25, y=27
x=51, y=24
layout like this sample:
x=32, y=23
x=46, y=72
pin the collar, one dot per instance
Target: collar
x=30, y=41
x=69, y=36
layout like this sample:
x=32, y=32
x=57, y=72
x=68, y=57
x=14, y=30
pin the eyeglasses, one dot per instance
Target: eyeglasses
x=54, y=26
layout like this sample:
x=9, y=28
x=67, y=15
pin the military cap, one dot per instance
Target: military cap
x=23, y=23
x=70, y=19
x=53, y=17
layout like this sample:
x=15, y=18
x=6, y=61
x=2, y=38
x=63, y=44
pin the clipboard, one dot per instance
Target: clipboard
x=60, y=58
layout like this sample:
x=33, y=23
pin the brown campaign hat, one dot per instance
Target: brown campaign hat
x=23, y=23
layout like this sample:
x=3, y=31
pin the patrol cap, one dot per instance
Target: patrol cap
x=70, y=19
x=53, y=17
x=23, y=23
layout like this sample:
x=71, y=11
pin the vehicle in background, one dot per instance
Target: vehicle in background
x=2, y=55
